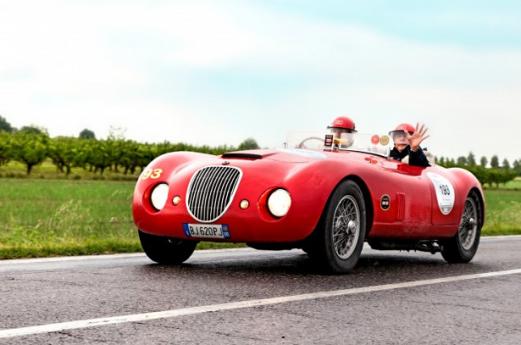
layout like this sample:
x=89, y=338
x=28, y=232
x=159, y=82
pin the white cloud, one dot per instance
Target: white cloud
x=69, y=65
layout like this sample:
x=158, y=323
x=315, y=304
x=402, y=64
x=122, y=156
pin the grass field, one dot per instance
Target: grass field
x=43, y=217
x=503, y=212
x=62, y=217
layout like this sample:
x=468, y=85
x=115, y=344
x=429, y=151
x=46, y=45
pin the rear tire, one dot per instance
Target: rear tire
x=463, y=246
x=166, y=250
x=338, y=240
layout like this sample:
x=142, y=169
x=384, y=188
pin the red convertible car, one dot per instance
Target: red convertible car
x=327, y=202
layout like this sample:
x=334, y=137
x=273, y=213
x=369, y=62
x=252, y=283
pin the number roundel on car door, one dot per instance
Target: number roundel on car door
x=445, y=194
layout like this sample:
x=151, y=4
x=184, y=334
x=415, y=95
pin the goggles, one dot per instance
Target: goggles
x=398, y=134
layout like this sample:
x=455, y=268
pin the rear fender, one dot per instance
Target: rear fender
x=466, y=184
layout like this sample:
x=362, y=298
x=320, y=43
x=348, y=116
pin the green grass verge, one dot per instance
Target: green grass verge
x=503, y=215
x=44, y=217
x=53, y=217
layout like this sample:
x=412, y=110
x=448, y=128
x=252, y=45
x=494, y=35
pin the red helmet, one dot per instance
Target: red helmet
x=343, y=122
x=404, y=127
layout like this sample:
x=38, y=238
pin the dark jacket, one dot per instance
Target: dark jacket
x=417, y=158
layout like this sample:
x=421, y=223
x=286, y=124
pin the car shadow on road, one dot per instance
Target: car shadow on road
x=395, y=264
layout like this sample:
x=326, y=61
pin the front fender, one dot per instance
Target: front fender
x=162, y=169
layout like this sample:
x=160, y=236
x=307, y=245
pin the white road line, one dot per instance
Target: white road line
x=113, y=256
x=79, y=324
x=204, y=252
x=500, y=238
x=71, y=258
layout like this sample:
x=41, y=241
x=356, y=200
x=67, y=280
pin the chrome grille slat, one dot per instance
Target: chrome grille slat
x=198, y=191
x=227, y=190
x=211, y=191
x=204, y=192
x=222, y=189
x=213, y=194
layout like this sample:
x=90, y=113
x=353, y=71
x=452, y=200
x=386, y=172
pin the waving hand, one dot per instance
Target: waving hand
x=419, y=135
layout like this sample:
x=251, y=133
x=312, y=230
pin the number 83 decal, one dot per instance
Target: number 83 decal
x=153, y=174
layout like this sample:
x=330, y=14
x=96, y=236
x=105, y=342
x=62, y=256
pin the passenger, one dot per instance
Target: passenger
x=407, y=140
x=343, y=129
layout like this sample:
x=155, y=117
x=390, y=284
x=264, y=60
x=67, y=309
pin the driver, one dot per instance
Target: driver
x=343, y=129
x=407, y=140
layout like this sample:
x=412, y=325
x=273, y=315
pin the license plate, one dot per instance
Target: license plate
x=212, y=231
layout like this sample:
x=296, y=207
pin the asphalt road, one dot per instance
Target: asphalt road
x=243, y=296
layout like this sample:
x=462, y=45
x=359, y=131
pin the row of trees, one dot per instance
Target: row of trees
x=487, y=171
x=484, y=162
x=31, y=146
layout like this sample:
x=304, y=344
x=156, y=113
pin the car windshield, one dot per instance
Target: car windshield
x=378, y=144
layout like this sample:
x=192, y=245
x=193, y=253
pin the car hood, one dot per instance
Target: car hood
x=281, y=155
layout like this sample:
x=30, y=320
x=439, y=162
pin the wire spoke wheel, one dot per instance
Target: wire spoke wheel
x=462, y=247
x=468, y=227
x=346, y=227
x=338, y=240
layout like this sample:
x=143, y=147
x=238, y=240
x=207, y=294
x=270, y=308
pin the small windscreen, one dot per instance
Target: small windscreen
x=379, y=144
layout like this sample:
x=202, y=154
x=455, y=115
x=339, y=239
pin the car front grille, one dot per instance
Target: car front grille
x=211, y=192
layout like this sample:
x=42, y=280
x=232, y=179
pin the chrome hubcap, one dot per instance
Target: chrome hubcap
x=468, y=228
x=346, y=227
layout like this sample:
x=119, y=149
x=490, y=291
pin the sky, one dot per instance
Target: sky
x=217, y=72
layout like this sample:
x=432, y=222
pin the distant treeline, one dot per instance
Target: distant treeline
x=32, y=145
x=487, y=171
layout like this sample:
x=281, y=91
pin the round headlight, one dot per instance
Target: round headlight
x=159, y=196
x=279, y=203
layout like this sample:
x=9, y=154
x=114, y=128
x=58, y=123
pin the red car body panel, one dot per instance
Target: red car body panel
x=310, y=177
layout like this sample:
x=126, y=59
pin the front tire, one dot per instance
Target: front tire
x=463, y=246
x=166, y=250
x=338, y=241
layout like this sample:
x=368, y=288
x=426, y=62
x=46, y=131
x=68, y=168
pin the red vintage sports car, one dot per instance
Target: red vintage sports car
x=327, y=202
